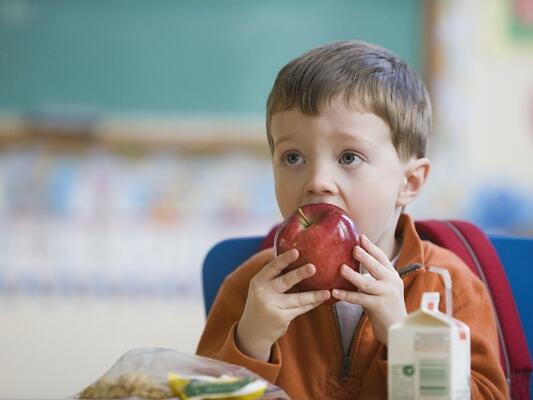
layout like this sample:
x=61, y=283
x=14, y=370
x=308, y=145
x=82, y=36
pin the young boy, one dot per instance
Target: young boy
x=347, y=124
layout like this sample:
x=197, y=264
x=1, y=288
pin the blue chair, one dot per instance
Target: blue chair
x=222, y=259
x=516, y=254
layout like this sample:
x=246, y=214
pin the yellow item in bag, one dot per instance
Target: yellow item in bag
x=225, y=387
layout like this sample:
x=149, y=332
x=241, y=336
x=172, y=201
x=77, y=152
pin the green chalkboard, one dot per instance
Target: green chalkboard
x=203, y=56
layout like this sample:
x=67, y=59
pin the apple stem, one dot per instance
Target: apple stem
x=305, y=220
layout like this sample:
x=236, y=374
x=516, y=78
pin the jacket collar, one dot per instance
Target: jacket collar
x=412, y=251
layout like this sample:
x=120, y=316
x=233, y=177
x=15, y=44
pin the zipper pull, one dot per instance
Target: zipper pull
x=345, y=366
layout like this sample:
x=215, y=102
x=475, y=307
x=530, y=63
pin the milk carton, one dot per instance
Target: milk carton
x=429, y=352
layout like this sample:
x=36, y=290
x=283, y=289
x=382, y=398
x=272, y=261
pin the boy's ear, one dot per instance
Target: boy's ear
x=416, y=173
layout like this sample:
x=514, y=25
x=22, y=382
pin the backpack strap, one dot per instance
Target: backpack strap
x=474, y=247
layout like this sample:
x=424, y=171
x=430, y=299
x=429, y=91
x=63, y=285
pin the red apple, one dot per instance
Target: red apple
x=324, y=236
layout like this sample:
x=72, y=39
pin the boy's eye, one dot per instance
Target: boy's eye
x=350, y=158
x=293, y=158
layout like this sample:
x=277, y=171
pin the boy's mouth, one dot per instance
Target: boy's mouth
x=322, y=201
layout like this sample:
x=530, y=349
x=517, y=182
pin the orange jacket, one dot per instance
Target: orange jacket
x=308, y=362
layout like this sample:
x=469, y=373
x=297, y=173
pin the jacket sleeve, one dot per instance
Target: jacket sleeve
x=218, y=338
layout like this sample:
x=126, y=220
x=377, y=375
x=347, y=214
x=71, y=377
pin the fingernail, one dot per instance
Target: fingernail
x=358, y=251
x=344, y=269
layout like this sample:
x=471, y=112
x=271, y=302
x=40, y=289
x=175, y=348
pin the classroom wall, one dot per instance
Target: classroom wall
x=178, y=56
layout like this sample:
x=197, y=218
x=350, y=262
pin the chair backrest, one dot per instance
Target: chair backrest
x=222, y=259
x=514, y=277
x=516, y=254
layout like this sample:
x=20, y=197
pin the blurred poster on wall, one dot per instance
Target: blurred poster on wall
x=482, y=85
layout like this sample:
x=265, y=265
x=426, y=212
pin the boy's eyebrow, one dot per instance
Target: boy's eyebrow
x=361, y=140
x=340, y=134
x=350, y=136
x=282, y=139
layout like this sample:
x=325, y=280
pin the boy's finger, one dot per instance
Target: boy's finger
x=286, y=281
x=373, y=266
x=278, y=264
x=297, y=311
x=363, y=282
x=363, y=299
x=376, y=252
x=304, y=299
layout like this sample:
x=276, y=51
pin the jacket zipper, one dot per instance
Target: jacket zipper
x=346, y=357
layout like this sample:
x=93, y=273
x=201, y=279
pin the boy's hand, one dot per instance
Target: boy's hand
x=269, y=310
x=382, y=298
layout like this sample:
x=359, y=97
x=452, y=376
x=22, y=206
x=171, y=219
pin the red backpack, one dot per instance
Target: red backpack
x=476, y=250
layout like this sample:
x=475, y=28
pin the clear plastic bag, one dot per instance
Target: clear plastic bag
x=144, y=374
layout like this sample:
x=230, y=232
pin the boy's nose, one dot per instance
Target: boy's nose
x=320, y=181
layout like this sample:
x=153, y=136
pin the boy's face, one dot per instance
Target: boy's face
x=344, y=157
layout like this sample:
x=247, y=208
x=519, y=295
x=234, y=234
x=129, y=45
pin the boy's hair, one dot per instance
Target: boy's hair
x=371, y=78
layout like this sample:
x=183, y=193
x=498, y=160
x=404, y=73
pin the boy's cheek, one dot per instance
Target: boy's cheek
x=287, y=200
